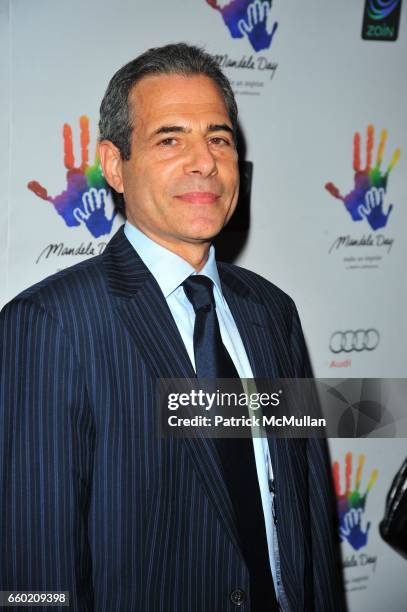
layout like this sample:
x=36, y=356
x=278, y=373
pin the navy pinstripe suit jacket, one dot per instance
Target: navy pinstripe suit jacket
x=92, y=501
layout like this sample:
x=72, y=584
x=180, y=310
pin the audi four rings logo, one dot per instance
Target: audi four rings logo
x=359, y=340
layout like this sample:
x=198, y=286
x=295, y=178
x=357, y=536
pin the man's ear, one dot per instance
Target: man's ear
x=112, y=163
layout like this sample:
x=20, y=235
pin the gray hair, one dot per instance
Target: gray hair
x=116, y=122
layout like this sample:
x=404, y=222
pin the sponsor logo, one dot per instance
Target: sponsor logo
x=351, y=502
x=358, y=340
x=250, y=19
x=381, y=20
x=86, y=199
x=346, y=363
x=366, y=201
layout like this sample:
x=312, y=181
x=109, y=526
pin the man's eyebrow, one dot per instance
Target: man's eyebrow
x=220, y=127
x=168, y=129
x=212, y=127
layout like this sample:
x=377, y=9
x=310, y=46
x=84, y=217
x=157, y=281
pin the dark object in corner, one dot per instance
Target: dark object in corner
x=393, y=527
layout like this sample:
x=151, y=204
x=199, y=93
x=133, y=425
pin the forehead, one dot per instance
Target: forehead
x=159, y=97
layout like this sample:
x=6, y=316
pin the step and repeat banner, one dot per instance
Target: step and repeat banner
x=321, y=90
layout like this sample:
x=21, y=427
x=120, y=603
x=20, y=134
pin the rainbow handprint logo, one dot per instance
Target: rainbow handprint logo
x=86, y=199
x=249, y=19
x=352, y=503
x=366, y=201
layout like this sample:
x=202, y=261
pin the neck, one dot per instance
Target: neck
x=197, y=260
x=195, y=254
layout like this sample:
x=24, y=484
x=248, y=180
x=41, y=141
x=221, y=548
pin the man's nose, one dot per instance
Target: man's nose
x=200, y=159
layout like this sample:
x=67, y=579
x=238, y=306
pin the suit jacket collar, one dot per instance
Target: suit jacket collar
x=126, y=272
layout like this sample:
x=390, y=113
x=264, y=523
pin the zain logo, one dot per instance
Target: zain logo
x=379, y=9
x=249, y=19
x=381, y=20
x=359, y=340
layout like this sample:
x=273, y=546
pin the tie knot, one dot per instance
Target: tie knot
x=199, y=291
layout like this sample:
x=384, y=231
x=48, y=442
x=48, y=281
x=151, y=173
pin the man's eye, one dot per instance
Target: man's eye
x=168, y=141
x=218, y=140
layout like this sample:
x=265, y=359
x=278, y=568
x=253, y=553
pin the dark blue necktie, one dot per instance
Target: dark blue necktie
x=212, y=360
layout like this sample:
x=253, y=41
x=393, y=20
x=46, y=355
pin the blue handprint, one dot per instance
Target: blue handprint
x=372, y=209
x=247, y=18
x=255, y=27
x=92, y=213
x=351, y=529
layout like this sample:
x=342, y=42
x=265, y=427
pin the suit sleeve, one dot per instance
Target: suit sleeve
x=46, y=448
x=328, y=588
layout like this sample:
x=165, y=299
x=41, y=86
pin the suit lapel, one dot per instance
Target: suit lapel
x=144, y=311
x=263, y=346
x=251, y=319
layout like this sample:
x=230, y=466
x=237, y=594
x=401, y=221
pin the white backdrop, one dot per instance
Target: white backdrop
x=304, y=87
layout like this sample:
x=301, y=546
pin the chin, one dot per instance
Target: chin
x=205, y=233
x=206, y=225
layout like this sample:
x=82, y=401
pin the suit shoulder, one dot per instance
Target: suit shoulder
x=65, y=286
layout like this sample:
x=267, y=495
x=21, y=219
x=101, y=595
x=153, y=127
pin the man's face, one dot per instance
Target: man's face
x=181, y=183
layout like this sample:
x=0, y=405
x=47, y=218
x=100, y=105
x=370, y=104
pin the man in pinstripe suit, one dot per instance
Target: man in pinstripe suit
x=92, y=501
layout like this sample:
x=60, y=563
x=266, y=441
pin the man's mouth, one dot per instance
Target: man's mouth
x=199, y=197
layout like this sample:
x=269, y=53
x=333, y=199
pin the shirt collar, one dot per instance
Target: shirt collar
x=169, y=269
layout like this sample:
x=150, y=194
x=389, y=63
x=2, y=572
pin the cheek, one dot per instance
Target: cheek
x=140, y=182
x=160, y=178
x=230, y=173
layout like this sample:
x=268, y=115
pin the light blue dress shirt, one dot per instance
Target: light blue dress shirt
x=170, y=271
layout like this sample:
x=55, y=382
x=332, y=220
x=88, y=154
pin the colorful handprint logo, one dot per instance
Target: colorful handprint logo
x=352, y=503
x=366, y=200
x=248, y=18
x=86, y=199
